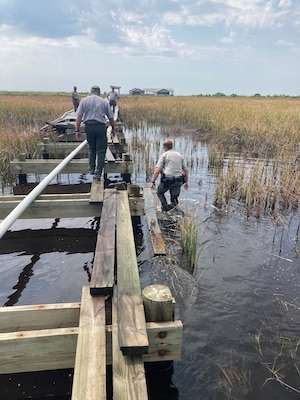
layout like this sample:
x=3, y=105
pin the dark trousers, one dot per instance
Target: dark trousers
x=75, y=104
x=97, y=140
x=113, y=104
x=174, y=189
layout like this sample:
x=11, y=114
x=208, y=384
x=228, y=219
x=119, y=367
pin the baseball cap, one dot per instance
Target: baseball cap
x=95, y=89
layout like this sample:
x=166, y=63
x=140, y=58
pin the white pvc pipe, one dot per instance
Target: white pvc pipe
x=21, y=207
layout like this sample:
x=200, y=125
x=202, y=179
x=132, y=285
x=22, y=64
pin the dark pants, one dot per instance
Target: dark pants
x=75, y=104
x=113, y=104
x=97, y=140
x=174, y=189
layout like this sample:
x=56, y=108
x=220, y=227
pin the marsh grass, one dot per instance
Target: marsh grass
x=267, y=129
x=235, y=380
x=279, y=355
x=189, y=237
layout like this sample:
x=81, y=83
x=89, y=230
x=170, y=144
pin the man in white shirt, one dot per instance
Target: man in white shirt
x=174, y=174
x=112, y=98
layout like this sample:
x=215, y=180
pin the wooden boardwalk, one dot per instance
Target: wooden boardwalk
x=109, y=325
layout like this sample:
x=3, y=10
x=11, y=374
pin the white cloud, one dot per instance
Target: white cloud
x=100, y=38
x=285, y=3
x=284, y=43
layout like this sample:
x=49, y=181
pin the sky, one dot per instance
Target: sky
x=241, y=47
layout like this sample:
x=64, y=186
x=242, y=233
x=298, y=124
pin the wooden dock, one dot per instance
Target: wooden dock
x=115, y=322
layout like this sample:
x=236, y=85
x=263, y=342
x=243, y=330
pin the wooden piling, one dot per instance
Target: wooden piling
x=158, y=303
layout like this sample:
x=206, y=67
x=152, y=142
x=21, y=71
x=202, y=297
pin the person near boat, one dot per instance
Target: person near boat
x=174, y=173
x=93, y=110
x=75, y=98
x=112, y=97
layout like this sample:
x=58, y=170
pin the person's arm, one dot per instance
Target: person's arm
x=186, y=179
x=78, y=122
x=155, y=175
x=112, y=124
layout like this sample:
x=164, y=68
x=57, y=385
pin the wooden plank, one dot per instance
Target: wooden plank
x=129, y=381
x=24, y=189
x=65, y=208
x=38, y=166
x=165, y=341
x=89, y=381
x=158, y=243
x=61, y=149
x=37, y=350
x=41, y=350
x=132, y=325
x=137, y=206
x=43, y=316
x=96, y=195
x=47, y=197
x=103, y=274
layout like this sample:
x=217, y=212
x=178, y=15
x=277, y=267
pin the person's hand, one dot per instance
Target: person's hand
x=186, y=186
x=112, y=134
x=78, y=135
x=153, y=185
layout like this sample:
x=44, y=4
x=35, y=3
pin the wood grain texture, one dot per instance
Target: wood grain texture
x=129, y=382
x=103, y=274
x=158, y=243
x=132, y=324
x=89, y=381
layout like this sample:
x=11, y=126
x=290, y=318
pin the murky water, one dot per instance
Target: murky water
x=240, y=306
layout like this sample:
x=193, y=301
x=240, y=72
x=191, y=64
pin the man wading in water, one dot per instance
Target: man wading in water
x=174, y=174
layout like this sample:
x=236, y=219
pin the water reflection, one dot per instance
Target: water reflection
x=23, y=279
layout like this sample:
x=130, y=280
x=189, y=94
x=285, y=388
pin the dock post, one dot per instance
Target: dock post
x=159, y=306
x=158, y=303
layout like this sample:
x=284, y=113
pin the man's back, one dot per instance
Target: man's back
x=95, y=108
x=171, y=163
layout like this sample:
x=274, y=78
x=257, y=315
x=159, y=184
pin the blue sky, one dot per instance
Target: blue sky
x=192, y=46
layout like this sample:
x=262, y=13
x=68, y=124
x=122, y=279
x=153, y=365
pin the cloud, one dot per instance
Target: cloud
x=284, y=43
x=37, y=33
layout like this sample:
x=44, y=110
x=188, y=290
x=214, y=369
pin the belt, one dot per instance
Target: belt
x=173, y=179
x=93, y=122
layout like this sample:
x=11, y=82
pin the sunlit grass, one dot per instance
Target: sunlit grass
x=266, y=129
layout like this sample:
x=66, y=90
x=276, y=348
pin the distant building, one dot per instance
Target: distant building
x=136, y=92
x=159, y=92
x=164, y=92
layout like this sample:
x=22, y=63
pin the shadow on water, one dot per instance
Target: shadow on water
x=23, y=279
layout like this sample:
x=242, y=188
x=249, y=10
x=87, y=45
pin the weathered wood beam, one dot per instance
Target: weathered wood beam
x=158, y=243
x=96, y=195
x=89, y=382
x=129, y=380
x=47, y=349
x=65, y=208
x=61, y=149
x=103, y=274
x=62, y=206
x=132, y=324
x=40, y=167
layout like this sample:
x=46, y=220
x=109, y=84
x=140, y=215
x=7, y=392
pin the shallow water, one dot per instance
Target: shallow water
x=240, y=306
